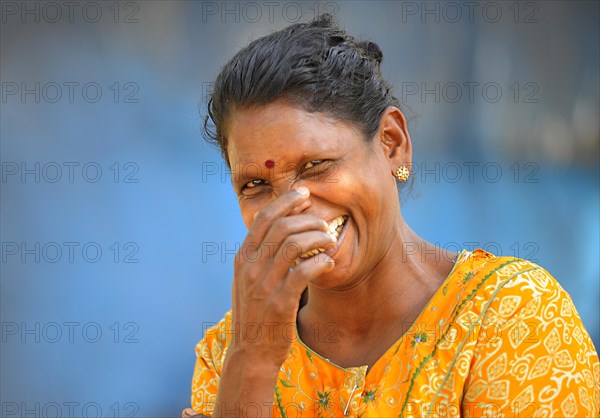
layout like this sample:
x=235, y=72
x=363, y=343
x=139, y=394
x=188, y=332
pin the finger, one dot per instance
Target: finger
x=282, y=228
x=188, y=413
x=307, y=270
x=264, y=218
x=295, y=246
x=296, y=210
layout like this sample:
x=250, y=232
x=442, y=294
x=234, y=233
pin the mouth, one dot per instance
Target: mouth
x=336, y=228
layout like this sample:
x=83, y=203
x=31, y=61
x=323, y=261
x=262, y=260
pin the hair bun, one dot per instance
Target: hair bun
x=372, y=51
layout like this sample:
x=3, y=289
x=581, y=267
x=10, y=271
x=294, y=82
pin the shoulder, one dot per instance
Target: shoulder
x=504, y=275
x=501, y=289
x=528, y=339
x=213, y=346
x=522, y=297
x=210, y=353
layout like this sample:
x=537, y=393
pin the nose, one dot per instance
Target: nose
x=288, y=186
x=285, y=184
x=302, y=208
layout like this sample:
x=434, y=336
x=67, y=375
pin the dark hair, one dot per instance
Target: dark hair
x=316, y=65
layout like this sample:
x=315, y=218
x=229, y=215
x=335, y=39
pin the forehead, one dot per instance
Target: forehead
x=283, y=131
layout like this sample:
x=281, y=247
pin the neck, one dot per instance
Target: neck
x=396, y=289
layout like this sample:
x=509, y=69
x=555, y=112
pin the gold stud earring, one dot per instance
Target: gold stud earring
x=402, y=173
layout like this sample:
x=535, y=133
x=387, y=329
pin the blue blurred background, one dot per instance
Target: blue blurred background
x=119, y=225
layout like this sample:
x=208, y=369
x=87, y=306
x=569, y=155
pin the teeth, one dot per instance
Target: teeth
x=312, y=252
x=334, y=228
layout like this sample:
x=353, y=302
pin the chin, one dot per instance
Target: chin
x=336, y=279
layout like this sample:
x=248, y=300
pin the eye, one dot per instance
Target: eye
x=254, y=183
x=252, y=186
x=312, y=163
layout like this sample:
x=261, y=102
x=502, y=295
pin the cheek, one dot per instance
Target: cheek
x=248, y=220
x=248, y=211
x=338, y=186
x=370, y=194
x=249, y=207
x=357, y=190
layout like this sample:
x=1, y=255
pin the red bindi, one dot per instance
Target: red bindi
x=269, y=164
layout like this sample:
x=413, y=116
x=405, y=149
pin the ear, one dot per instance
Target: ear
x=394, y=138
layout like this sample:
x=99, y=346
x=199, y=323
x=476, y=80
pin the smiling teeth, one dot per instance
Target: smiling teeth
x=334, y=228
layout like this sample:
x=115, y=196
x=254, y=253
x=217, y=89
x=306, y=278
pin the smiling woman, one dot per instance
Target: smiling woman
x=331, y=314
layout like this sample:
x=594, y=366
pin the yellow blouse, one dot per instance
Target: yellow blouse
x=500, y=338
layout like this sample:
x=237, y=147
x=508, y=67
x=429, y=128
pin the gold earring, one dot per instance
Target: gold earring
x=402, y=173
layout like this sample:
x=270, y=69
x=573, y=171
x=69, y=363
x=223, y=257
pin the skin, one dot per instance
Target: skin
x=380, y=259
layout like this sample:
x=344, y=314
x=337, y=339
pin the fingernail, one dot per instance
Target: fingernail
x=324, y=258
x=303, y=191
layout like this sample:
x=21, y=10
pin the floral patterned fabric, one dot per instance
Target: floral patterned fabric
x=500, y=338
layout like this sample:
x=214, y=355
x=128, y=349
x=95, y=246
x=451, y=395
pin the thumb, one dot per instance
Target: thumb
x=188, y=413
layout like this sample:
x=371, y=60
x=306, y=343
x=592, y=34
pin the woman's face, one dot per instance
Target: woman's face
x=346, y=175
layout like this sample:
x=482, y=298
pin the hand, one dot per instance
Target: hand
x=266, y=293
x=190, y=413
x=265, y=298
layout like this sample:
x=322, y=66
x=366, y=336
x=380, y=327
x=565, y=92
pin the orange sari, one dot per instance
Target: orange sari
x=500, y=338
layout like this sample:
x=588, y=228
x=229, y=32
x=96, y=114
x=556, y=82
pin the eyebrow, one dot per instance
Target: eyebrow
x=254, y=170
x=248, y=172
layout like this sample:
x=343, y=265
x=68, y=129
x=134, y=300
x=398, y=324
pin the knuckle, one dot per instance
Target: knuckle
x=262, y=215
x=302, y=271
x=283, y=225
x=291, y=248
x=252, y=275
x=308, y=268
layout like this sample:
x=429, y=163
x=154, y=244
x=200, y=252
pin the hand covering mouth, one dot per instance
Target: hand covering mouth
x=335, y=228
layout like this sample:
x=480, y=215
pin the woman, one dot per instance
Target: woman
x=338, y=307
